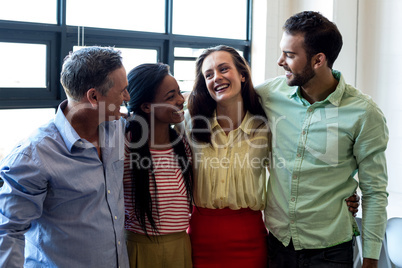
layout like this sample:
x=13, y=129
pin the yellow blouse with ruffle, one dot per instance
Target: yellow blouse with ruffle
x=232, y=172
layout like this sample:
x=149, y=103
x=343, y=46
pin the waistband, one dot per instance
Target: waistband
x=135, y=237
x=224, y=211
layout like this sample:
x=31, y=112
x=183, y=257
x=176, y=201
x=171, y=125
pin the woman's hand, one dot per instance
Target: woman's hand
x=353, y=203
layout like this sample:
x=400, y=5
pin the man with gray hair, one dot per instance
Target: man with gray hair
x=62, y=199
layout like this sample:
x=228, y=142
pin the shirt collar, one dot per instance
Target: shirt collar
x=65, y=129
x=294, y=92
x=246, y=125
x=334, y=98
x=214, y=121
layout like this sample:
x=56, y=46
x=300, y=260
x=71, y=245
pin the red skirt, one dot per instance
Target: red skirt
x=228, y=238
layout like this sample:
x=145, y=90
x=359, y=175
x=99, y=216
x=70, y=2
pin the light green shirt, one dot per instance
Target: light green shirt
x=316, y=151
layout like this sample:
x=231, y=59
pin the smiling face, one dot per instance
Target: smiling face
x=294, y=60
x=222, y=78
x=167, y=106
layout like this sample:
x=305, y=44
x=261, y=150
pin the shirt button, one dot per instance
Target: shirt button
x=298, y=155
x=221, y=198
x=310, y=109
x=293, y=199
x=223, y=181
x=304, y=132
x=108, y=191
x=115, y=217
x=294, y=177
x=118, y=242
x=292, y=222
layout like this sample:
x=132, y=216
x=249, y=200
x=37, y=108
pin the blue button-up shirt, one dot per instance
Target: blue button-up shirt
x=317, y=149
x=60, y=202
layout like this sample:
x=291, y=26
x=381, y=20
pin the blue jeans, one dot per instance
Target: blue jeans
x=279, y=256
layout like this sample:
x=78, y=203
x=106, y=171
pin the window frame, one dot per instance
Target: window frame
x=60, y=39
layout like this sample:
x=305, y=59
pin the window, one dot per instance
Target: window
x=137, y=15
x=23, y=65
x=212, y=18
x=17, y=124
x=184, y=66
x=133, y=57
x=34, y=44
x=43, y=11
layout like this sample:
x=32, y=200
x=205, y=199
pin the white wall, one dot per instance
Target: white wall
x=379, y=58
x=269, y=17
x=371, y=59
x=345, y=14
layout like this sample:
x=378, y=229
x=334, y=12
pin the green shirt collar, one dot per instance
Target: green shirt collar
x=334, y=98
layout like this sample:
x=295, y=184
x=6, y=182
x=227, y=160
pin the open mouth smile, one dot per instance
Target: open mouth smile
x=288, y=73
x=221, y=87
x=180, y=111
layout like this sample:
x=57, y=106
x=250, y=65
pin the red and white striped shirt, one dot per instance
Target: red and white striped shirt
x=171, y=211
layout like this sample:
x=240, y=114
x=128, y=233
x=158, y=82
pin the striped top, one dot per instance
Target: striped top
x=170, y=207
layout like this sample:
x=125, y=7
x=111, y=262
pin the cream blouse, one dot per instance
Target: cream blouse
x=233, y=171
